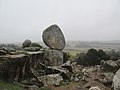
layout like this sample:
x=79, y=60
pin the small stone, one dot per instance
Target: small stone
x=116, y=81
x=26, y=43
x=95, y=88
x=33, y=87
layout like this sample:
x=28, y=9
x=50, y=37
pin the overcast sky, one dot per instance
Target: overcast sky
x=78, y=19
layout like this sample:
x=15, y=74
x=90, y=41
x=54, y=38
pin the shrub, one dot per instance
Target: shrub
x=92, y=57
x=36, y=45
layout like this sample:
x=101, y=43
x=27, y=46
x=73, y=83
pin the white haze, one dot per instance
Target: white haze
x=78, y=19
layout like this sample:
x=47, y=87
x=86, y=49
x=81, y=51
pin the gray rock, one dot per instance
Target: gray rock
x=116, y=81
x=53, y=57
x=53, y=79
x=26, y=43
x=76, y=79
x=54, y=38
x=109, y=66
x=2, y=52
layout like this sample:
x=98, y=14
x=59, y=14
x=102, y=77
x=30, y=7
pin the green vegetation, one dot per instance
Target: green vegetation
x=92, y=57
x=10, y=86
x=36, y=45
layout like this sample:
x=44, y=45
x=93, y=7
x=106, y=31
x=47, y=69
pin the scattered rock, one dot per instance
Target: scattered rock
x=53, y=79
x=76, y=79
x=54, y=38
x=95, y=88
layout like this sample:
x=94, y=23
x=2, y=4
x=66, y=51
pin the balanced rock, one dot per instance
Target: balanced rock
x=54, y=38
x=26, y=43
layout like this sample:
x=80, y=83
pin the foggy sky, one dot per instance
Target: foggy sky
x=78, y=19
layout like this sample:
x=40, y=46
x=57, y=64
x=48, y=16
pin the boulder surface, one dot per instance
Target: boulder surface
x=54, y=38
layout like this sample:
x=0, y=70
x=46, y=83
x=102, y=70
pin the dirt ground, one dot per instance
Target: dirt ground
x=92, y=78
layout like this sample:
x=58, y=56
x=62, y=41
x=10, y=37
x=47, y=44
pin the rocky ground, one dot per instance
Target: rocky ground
x=87, y=78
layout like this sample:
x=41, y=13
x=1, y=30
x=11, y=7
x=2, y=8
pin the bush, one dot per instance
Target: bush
x=36, y=45
x=92, y=57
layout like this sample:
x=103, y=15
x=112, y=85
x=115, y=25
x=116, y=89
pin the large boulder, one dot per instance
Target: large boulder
x=54, y=38
x=26, y=43
x=52, y=79
x=53, y=57
x=95, y=88
x=108, y=78
x=116, y=81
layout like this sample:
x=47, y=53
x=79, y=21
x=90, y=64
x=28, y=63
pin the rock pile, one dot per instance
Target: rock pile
x=35, y=67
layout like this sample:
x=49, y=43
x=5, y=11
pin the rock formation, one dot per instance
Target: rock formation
x=33, y=66
x=54, y=38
